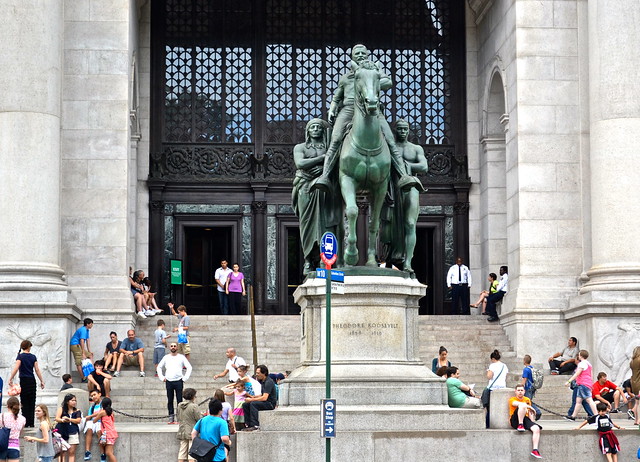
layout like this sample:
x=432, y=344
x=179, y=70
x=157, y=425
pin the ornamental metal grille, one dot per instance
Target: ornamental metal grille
x=243, y=77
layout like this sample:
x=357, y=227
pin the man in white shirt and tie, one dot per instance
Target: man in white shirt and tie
x=502, y=289
x=459, y=281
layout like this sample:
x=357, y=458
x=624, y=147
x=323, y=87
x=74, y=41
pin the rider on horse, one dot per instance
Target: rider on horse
x=341, y=114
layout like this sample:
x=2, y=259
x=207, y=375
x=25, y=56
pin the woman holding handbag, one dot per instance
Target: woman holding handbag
x=15, y=423
x=27, y=364
x=497, y=375
x=68, y=418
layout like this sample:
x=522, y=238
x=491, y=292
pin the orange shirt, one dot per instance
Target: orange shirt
x=514, y=402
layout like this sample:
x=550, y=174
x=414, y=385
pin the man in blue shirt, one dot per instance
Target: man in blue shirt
x=79, y=346
x=132, y=353
x=214, y=429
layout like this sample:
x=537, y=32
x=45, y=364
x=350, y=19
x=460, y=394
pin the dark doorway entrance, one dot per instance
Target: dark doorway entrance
x=428, y=251
x=204, y=248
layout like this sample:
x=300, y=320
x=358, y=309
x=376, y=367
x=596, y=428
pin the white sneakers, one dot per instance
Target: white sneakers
x=142, y=374
x=141, y=315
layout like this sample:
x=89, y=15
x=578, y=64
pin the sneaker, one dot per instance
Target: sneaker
x=149, y=313
x=87, y=455
x=142, y=374
x=116, y=374
x=141, y=315
x=493, y=319
x=103, y=458
x=157, y=310
x=85, y=380
x=614, y=411
x=555, y=372
x=520, y=428
x=631, y=415
x=535, y=453
x=251, y=429
x=569, y=417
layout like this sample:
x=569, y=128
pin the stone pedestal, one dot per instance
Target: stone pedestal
x=374, y=344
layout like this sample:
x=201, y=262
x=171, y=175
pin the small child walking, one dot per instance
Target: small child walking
x=159, y=347
x=608, y=441
x=237, y=389
x=109, y=433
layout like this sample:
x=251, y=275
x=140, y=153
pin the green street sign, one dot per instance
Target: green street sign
x=176, y=272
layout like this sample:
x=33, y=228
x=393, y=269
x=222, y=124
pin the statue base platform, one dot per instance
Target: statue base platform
x=374, y=345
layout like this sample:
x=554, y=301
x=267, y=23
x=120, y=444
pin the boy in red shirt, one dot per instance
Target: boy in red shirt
x=522, y=415
x=608, y=393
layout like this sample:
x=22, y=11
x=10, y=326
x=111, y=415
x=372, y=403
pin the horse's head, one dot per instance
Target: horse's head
x=367, y=87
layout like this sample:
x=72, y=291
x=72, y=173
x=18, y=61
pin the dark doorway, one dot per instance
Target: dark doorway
x=295, y=265
x=204, y=248
x=427, y=252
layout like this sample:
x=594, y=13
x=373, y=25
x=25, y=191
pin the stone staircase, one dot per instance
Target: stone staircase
x=469, y=339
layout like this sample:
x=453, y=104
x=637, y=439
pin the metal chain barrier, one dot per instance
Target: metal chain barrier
x=155, y=417
x=547, y=410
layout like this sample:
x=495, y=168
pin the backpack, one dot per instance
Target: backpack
x=538, y=378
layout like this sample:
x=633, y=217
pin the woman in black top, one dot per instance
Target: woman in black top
x=27, y=363
x=68, y=417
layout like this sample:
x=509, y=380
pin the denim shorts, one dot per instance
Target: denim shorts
x=45, y=459
x=583, y=392
x=10, y=454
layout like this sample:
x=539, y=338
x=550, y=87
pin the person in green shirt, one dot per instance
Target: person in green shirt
x=460, y=395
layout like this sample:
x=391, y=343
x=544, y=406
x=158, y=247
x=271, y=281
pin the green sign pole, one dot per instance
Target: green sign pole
x=328, y=353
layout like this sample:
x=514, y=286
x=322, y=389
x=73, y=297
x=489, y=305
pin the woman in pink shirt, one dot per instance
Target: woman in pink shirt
x=235, y=289
x=15, y=422
x=584, y=383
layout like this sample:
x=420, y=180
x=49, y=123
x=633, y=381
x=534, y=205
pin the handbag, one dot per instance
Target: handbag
x=485, y=399
x=59, y=443
x=87, y=367
x=4, y=436
x=14, y=389
x=182, y=336
x=203, y=450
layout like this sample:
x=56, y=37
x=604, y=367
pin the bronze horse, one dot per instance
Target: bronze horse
x=365, y=162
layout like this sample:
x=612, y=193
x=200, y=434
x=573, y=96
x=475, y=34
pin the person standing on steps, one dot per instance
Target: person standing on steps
x=233, y=363
x=174, y=364
x=26, y=364
x=79, y=346
x=492, y=299
x=221, y=276
x=459, y=282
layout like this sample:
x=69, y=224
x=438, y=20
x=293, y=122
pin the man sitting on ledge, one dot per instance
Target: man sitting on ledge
x=263, y=402
x=132, y=353
x=566, y=361
x=522, y=414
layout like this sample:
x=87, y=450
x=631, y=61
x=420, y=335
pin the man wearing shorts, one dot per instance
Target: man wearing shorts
x=521, y=413
x=132, y=353
x=79, y=346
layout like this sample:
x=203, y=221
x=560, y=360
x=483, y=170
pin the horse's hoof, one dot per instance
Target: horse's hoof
x=351, y=258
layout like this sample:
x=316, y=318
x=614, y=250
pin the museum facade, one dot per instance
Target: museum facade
x=134, y=133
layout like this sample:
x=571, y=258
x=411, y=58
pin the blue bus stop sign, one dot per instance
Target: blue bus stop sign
x=329, y=245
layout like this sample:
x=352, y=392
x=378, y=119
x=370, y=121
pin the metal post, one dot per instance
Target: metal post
x=328, y=352
x=252, y=312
